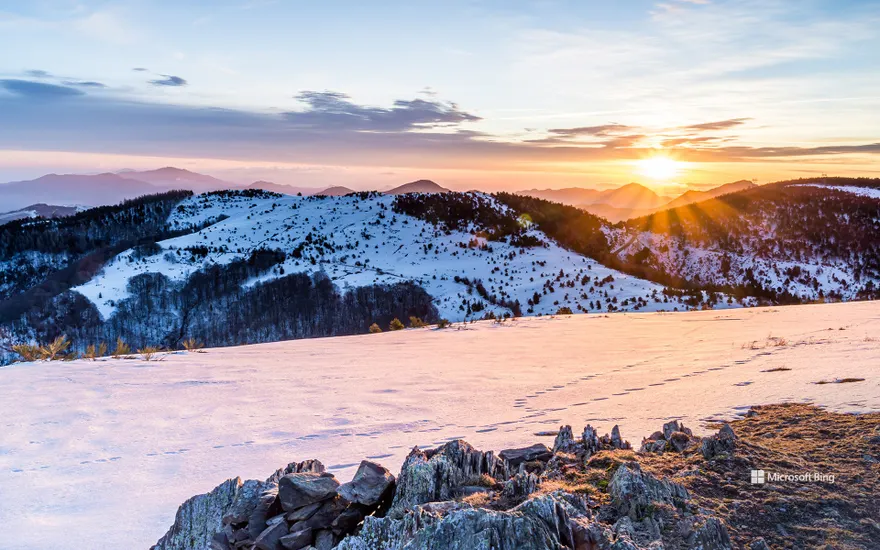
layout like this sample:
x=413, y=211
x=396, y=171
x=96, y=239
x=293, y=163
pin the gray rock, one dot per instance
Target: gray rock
x=200, y=518
x=564, y=442
x=434, y=475
x=543, y=523
x=679, y=441
x=270, y=538
x=370, y=484
x=590, y=440
x=711, y=534
x=301, y=489
x=310, y=465
x=618, y=442
x=325, y=540
x=304, y=513
x=722, y=443
x=759, y=544
x=521, y=485
x=245, y=502
x=297, y=539
x=515, y=457
x=267, y=506
x=633, y=492
x=326, y=514
x=349, y=519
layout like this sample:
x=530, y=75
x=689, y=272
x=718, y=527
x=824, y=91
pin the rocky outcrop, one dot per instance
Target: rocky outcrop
x=515, y=457
x=722, y=443
x=199, y=518
x=674, y=437
x=634, y=492
x=431, y=476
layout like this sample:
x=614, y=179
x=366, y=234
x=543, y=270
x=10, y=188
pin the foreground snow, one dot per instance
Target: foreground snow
x=100, y=454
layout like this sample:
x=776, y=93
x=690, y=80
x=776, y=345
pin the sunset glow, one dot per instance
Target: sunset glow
x=659, y=168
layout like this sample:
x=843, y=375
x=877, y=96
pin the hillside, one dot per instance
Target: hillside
x=336, y=191
x=691, y=196
x=420, y=186
x=790, y=241
x=39, y=211
x=132, y=439
x=254, y=266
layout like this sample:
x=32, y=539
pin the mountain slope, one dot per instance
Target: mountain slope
x=336, y=191
x=691, y=196
x=90, y=190
x=39, y=211
x=420, y=186
x=171, y=178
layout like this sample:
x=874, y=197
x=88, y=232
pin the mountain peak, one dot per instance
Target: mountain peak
x=418, y=186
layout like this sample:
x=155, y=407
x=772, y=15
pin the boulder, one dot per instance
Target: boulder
x=515, y=457
x=370, y=484
x=200, y=518
x=428, y=476
x=564, y=442
x=618, y=442
x=301, y=489
x=266, y=507
x=722, y=443
x=325, y=540
x=304, y=513
x=679, y=441
x=590, y=439
x=270, y=538
x=326, y=514
x=297, y=539
x=633, y=492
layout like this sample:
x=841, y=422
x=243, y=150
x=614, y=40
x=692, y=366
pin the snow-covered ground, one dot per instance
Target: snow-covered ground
x=860, y=191
x=359, y=241
x=100, y=454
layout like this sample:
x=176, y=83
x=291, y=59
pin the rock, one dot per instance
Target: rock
x=722, y=443
x=200, y=518
x=349, y=519
x=245, y=502
x=326, y=514
x=297, y=540
x=618, y=442
x=520, y=486
x=304, y=513
x=270, y=538
x=633, y=492
x=311, y=465
x=220, y=541
x=370, y=484
x=590, y=440
x=515, y=457
x=679, y=441
x=710, y=535
x=325, y=540
x=542, y=523
x=759, y=544
x=267, y=506
x=434, y=475
x=301, y=489
x=564, y=442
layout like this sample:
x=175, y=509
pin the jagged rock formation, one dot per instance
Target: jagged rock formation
x=458, y=498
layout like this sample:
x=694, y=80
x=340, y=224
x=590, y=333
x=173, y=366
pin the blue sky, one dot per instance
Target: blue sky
x=474, y=93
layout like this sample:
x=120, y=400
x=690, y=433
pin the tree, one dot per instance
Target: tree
x=374, y=329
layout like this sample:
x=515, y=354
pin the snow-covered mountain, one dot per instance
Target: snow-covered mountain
x=89, y=190
x=40, y=210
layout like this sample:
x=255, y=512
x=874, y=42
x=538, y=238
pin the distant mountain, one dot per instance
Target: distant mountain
x=39, y=211
x=177, y=178
x=622, y=203
x=574, y=196
x=634, y=196
x=420, y=186
x=336, y=191
x=280, y=188
x=691, y=196
x=89, y=190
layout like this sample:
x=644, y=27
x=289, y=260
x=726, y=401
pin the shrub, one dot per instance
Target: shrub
x=374, y=329
x=28, y=352
x=415, y=322
x=563, y=311
x=190, y=344
x=443, y=323
x=396, y=325
x=148, y=352
x=52, y=350
x=121, y=349
x=93, y=351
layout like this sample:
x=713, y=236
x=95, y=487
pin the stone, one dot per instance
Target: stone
x=590, y=440
x=220, y=541
x=245, y=502
x=297, y=540
x=326, y=514
x=759, y=544
x=722, y=443
x=304, y=513
x=633, y=492
x=618, y=442
x=670, y=428
x=310, y=465
x=301, y=489
x=521, y=485
x=270, y=538
x=200, y=518
x=349, y=519
x=564, y=442
x=515, y=457
x=370, y=484
x=679, y=441
x=428, y=476
x=711, y=534
x=325, y=540
x=267, y=506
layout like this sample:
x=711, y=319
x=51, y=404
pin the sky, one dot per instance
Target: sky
x=489, y=94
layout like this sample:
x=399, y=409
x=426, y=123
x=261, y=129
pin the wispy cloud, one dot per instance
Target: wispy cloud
x=37, y=90
x=169, y=80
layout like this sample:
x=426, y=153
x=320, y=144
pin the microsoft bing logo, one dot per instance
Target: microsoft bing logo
x=758, y=477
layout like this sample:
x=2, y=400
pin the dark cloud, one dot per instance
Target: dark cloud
x=84, y=84
x=140, y=69
x=335, y=111
x=38, y=90
x=719, y=125
x=36, y=73
x=603, y=130
x=169, y=80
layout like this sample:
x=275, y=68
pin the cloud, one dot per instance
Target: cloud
x=333, y=110
x=37, y=90
x=84, y=83
x=603, y=130
x=718, y=125
x=36, y=73
x=169, y=80
x=140, y=69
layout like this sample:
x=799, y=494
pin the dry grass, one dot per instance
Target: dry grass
x=477, y=499
x=190, y=344
x=55, y=348
x=122, y=349
x=148, y=352
x=93, y=351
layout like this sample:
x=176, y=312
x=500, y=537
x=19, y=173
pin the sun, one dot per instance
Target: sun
x=659, y=168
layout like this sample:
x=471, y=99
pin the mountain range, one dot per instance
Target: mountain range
x=631, y=200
